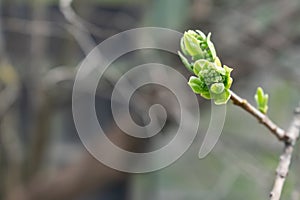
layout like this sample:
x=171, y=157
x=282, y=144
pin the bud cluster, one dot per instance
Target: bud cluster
x=213, y=81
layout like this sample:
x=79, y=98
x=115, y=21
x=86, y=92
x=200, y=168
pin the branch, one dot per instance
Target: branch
x=262, y=118
x=285, y=159
x=289, y=138
x=209, y=72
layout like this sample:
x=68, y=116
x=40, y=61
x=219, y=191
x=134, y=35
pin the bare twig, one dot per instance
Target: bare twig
x=263, y=119
x=285, y=159
x=289, y=138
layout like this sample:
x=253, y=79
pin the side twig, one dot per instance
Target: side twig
x=285, y=159
x=263, y=119
x=289, y=138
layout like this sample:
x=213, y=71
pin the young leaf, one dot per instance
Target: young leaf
x=185, y=62
x=202, y=35
x=218, y=62
x=182, y=46
x=192, y=45
x=212, y=80
x=221, y=98
x=195, y=84
x=211, y=47
x=261, y=100
x=217, y=88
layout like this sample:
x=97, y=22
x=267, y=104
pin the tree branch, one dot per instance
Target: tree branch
x=289, y=138
x=262, y=118
x=285, y=159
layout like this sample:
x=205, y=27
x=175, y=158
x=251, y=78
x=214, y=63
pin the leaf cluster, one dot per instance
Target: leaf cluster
x=212, y=80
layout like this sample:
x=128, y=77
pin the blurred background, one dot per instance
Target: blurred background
x=43, y=41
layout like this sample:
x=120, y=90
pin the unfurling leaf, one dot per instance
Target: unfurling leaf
x=195, y=83
x=217, y=88
x=261, y=100
x=192, y=45
x=213, y=81
x=185, y=62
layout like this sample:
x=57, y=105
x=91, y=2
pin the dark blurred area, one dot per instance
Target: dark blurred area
x=43, y=42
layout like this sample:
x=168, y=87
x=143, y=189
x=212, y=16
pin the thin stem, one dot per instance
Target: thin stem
x=263, y=119
x=285, y=159
x=282, y=172
x=289, y=138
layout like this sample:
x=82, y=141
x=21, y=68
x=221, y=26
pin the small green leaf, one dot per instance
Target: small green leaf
x=206, y=95
x=221, y=98
x=198, y=66
x=218, y=62
x=261, y=100
x=185, y=62
x=228, y=70
x=192, y=45
x=195, y=84
x=211, y=46
x=203, y=36
x=213, y=80
x=227, y=79
x=183, y=49
x=217, y=88
x=221, y=70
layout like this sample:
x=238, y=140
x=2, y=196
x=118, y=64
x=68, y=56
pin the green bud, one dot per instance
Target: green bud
x=192, y=45
x=210, y=72
x=213, y=80
x=217, y=88
x=203, y=46
x=261, y=100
